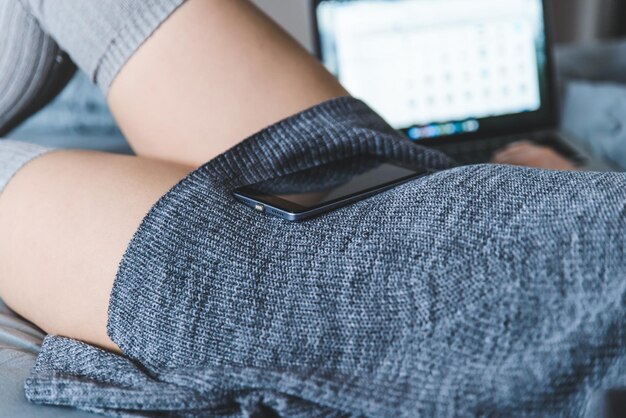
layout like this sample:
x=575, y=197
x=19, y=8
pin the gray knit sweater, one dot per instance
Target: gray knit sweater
x=476, y=291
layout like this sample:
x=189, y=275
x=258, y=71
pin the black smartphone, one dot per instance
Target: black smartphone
x=320, y=189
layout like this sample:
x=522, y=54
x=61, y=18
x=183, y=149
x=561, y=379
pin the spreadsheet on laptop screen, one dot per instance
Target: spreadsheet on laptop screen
x=425, y=62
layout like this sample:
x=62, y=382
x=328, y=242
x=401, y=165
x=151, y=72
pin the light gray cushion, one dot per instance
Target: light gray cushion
x=19, y=343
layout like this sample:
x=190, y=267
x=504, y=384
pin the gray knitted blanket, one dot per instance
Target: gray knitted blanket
x=476, y=291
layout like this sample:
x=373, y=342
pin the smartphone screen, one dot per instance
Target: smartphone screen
x=325, y=187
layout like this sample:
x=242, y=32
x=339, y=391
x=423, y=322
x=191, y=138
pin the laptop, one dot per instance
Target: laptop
x=466, y=77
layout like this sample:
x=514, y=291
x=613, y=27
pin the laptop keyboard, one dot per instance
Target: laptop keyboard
x=482, y=151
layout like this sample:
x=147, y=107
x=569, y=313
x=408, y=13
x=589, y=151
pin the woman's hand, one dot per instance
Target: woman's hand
x=525, y=153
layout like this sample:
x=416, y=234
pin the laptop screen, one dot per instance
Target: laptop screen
x=442, y=68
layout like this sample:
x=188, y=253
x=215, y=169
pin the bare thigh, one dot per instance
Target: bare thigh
x=65, y=221
x=212, y=74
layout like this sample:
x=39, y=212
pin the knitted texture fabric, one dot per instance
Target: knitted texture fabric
x=32, y=67
x=100, y=35
x=475, y=291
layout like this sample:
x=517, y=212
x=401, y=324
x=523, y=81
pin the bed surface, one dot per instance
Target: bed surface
x=19, y=344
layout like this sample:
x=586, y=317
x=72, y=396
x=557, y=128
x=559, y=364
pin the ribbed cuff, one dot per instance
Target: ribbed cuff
x=13, y=156
x=144, y=18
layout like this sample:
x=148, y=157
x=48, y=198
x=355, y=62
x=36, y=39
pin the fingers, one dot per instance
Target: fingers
x=525, y=153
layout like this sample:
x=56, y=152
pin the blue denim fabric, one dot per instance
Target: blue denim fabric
x=476, y=291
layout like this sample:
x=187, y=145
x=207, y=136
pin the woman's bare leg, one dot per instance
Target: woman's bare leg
x=216, y=72
x=65, y=221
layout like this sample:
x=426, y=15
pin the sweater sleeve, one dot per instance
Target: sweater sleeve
x=101, y=35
